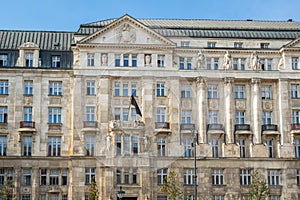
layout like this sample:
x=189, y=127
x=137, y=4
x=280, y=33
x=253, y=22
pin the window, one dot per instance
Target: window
x=161, y=146
x=187, y=145
x=64, y=177
x=64, y=197
x=126, y=145
x=125, y=60
x=133, y=114
x=270, y=146
x=239, y=91
x=188, y=176
x=212, y=91
x=264, y=45
x=218, y=177
x=242, y=143
x=126, y=176
x=294, y=91
x=133, y=60
x=218, y=197
x=3, y=114
x=53, y=197
x=135, y=145
x=90, y=114
x=185, y=91
x=90, y=88
x=43, y=177
x=28, y=87
x=6, y=174
x=117, y=60
x=118, y=145
x=125, y=114
x=266, y=64
x=274, y=197
x=238, y=45
x=162, y=198
x=266, y=92
x=54, y=177
x=208, y=63
x=27, y=145
x=295, y=116
x=134, y=176
x=298, y=177
x=212, y=117
x=89, y=174
x=27, y=117
x=274, y=177
x=240, y=117
x=42, y=197
x=119, y=176
x=235, y=63
x=243, y=61
x=89, y=145
x=186, y=117
x=215, y=148
x=133, y=89
x=26, y=197
x=297, y=147
x=211, y=44
x=54, y=116
x=160, y=61
x=160, y=89
x=54, y=146
x=216, y=63
x=56, y=61
x=245, y=176
x=295, y=63
x=185, y=63
x=125, y=89
x=3, y=87
x=26, y=176
x=160, y=114
x=117, y=89
x=90, y=59
x=28, y=60
x=3, y=60
x=3, y=145
x=185, y=43
x=267, y=118
x=55, y=88
x=161, y=175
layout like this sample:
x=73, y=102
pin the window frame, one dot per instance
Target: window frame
x=54, y=144
x=28, y=87
x=55, y=61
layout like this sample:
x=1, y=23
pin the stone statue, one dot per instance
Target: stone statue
x=147, y=59
x=201, y=59
x=254, y=61
x=227, y=61
x=104, y=59
x=146, y=142
x=281, y=63
x=127, y=34
x=108, y=142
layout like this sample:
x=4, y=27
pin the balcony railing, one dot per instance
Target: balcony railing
x=25, y=124
x=242, y=127
x=162, y=125
x=90, y=124
x=295, y=126
x=269, y=127
x=187, y=126
x=214, y=127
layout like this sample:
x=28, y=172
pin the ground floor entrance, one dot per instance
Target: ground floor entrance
x=128, y=198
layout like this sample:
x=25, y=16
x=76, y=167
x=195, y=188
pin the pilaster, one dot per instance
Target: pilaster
x=256, y=109
x=228, y=94
x=202, y=105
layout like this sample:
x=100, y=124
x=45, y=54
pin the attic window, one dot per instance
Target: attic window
x=264, y=45
x=185, y=44
x=238, y=45
x=56, y=45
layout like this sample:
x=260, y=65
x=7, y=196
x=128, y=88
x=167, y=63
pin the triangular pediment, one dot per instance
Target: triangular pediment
x=126, y=30
x=293, y=44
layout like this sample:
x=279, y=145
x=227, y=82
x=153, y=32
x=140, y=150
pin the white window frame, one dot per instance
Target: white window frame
x=188, y=176
x=161, y=175
x=56, y=61
x=240, y=117
x=266, y=92
x=243, y=147
x=27, y=114
x=217, y=177
x=90, y=113
x=54, y=115
x=185, y=91
x=161, y=146
x=28, y=59
x=27, y=145
x=90, y=87
x=90, y=145
x=89, y=173
x=160, y=60
x=295, y=91
x=212, y=91
x=239, y=92
x=3, y=145
x=90, y=59
x=55, y=88
x=28, y=87
x=54, y=146
x=161, y=114
x=273, y=177
x=213, y=117
x=295, y=64
x=187, y=147
x=245, y=176
x=3, y=60
x=3, y=114
x=160, y=89
x=267, y=117
x=297, y=147
x=186, y=116
x=3, y=87
x=215, y=148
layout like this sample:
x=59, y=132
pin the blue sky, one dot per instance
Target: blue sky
x=67, y=15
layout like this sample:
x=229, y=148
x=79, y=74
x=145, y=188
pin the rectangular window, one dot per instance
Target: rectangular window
x=161, y=146
x=56, y=61
x=267, y=118
x=274, y=197
x=55, y=88
x=211, y=44
x=27, y=145
x=218, y=197
x=240, y=117
x=216, y=63
x=90, y=59
x=27, y=117
x=160, y=89
x=185, y=43
x=188, y=63
x=135, y=145
x=238, y=45
x=264, y=45
x=42, y=197
x=212, y=117
x=185, y=91
x=28, y=60
x=125, y=60
x=3, y=60
x=218, y=177
x=208, y=63
x=245, y=176
x=126, y=176
x=274, y=177
x=187, y=145
x=90, y=88
x=266, y=92
x=119, y=145
x=188, y=176
x=3, y=114
x=186, y=117
x=215, y=148
x=90, y=145
x=297, y=148
x=181, y=63
x=298, y=177
x=294, y=91
x=64, y=197
x=54, y=116
x=54, y=146
x=295, y=63
x=26, y=197
x=160, y=61
x=117, y=89
x=243, y=61
x=64, y=177
x=295, y=116
x=117, y=113
x=26, y=176
x=160, y=114
x=212, y=91
x=125, y=114
x=270, y=148
x=126, y=145
x=54, y=177
x=3, y=87
x=134, y=176
x=117, y=60
x=3, y=145
x=89, y=174
x=133, y=114
x=28, y=87
x=239, y=91
x=269, y=65
x=6, y=174
x=125, y=89
x=118, y=176
x=242, y=143
x=133, y=89
x=90, y=114
x=235, y=63
x=134, y=60
x=162, y=174
x=43, y=177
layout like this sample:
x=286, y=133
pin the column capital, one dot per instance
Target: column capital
x=228, y=80
x=201, y=81
x=255, y=81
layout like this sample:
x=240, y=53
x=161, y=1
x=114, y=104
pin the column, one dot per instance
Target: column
x=229, y=116
x=256, y=110
x=284, y=110
x=202, y=105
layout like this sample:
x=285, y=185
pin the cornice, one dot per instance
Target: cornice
x=126, y=46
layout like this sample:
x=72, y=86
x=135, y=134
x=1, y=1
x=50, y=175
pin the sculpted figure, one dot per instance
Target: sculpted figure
x=108, y=142
x=147, y=59
x=227, y=61
x=254, y=61
x=104, y=59
x=201, y=59
x=281, y=63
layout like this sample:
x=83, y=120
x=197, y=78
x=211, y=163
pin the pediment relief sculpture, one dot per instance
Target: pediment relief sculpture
x=126, y=34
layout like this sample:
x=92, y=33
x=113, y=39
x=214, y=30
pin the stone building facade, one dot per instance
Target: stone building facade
x=66, y=112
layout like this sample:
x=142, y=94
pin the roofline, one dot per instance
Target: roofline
x=39, y=31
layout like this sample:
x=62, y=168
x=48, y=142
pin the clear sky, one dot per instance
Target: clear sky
x=67, y=15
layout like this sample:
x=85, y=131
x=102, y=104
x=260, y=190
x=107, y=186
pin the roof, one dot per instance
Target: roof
x=46, y=40
x=210, y=28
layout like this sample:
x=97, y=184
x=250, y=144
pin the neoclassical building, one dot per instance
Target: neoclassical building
x=121, y=100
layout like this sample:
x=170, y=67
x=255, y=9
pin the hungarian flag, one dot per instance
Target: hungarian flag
x=134, y=103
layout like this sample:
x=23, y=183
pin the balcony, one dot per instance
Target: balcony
x=90, y=124
x=269, y=127
x=117, y=124
x=242, y=129
x=189, y=127
x=26, y=124
x=162, y=125
x=295, y=129
x=215, y=129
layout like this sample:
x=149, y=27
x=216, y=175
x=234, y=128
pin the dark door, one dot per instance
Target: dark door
x=128, y=198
